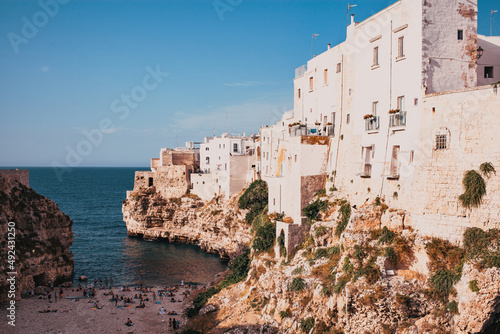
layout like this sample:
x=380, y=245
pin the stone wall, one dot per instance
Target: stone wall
x=449, y=63
x=470, y=121
x=19, y=175
x=171, y=181
x=294, y=234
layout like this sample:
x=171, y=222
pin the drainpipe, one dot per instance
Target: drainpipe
x=388, y=128
x=341, y=117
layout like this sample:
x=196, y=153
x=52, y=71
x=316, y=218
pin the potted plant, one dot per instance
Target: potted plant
x=393, y=111
x=368, y=116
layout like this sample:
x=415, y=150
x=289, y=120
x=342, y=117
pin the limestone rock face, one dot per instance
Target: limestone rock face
x=43, y=235
x=217, y=226
x=326, y=280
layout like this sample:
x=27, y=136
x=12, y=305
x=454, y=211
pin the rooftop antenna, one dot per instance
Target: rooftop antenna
x=312, y=44
x=493, y=11
x=227, y=116
x=349, y=6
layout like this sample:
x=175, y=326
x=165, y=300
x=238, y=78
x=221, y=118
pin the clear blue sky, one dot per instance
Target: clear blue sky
x=70, y=74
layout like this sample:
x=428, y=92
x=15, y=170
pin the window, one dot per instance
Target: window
x=225, y=166
x=395, y=161
x=488, y=72
x=311, y=84
x=441, y=142
x=325, y=76
x=415, y=101
x=235, y=147
x=333, y=118
x=367, y=155
x=339, y=67
x=207, y=160
x=150, y=182
x=374, y=108
x=401, y=50
x=207, y=149
x=412, y=156
x=298, y=93
x=348, y=119
x=375, y=56
x=295, y=157
x=460, y=35
x=401, y=103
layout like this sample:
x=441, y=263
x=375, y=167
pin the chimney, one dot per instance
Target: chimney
x=329, y=46
x=352, y=18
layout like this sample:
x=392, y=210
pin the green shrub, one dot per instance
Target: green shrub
x=386, y=236
x=264, y=237
x=343, y=218
x=281, y=243
x=442, y=282
x=473, y=286
x=321, y=193
x=320, y=252
x=487, y=169
x=475, y=242
x=297, y=284
x=312, y=210
x=391, y=255
x=348, y=267
x=307, y=324
x=297, y=271
x=254, y=199
x=475, y=189
x=322, y=230
x=359, y=253
x=341, y=283
x=286, y=314
x=452, y=307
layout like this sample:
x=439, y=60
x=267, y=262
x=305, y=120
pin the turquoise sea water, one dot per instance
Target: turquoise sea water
x=93, y=197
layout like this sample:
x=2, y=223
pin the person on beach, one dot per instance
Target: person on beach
x=129, y=322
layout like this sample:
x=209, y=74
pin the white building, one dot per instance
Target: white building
x=227, y=165
x=367, y=97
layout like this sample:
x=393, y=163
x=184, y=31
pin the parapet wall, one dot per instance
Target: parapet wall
x=19, y=175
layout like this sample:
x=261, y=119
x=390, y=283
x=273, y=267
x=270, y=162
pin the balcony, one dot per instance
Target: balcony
x=397, y=120
x=366, y=170
x=315, y=130
x=372, y=124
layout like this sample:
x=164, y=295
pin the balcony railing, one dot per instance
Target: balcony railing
x=317, y=130
x=366, y=170
x=372, y=123
x=397, y=120
x=300, y=71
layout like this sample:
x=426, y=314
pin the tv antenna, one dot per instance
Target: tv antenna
x=349, y=6
x=312, y=44
x=493, y=11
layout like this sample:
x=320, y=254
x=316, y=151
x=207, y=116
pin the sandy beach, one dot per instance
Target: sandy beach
x=75, y=313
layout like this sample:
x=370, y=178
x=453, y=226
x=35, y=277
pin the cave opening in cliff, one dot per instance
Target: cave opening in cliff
x=150, y=181
x=40, y=280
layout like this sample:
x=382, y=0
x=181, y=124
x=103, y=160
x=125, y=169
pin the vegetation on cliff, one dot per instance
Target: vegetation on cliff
x=43, y=235
x=254, y=199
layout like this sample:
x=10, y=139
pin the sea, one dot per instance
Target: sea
x=93, y=198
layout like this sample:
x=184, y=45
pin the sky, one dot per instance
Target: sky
x=111, y=82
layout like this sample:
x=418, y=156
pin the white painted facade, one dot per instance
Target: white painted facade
x=227, y=165
x=383, y=72
x=488, y=66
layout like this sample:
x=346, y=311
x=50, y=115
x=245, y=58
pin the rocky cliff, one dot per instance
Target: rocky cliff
x=217, y=226
x=364, y=278
x=43, y=235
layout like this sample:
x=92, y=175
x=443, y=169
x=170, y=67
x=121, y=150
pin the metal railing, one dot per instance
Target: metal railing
x=300, y=71
x=397, y=120
x=372, y=123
